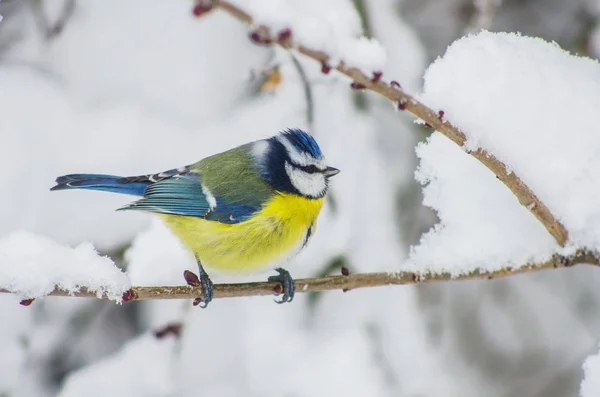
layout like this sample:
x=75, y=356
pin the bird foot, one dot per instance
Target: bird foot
x=287, y=283
x=204, y=281
x=207, y=287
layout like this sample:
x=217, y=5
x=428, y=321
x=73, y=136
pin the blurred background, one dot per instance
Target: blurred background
x=136, y=87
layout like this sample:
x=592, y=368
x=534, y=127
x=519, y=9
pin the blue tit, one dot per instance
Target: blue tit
x=239, y=211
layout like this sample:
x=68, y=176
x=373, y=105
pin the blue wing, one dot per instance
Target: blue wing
x=182, y=194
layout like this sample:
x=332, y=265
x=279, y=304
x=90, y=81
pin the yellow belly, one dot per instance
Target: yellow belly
x=274, y=233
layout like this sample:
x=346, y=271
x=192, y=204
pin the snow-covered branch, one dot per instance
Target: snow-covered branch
x=344, y=282
x=393, y=91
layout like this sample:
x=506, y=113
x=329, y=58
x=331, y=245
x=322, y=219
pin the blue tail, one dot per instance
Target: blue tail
x=106, y=183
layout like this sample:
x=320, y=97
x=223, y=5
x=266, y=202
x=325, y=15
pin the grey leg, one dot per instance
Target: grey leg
x=207, y=285
x=288, y=284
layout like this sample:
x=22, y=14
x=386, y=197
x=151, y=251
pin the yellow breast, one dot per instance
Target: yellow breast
x=277, y=231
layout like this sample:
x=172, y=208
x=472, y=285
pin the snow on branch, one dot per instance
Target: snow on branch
x=372, y=80
x=32, y=266
x=344, y=282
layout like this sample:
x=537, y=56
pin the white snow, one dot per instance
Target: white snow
x=590, y=385
x=530, y=104
x=142, y=86
x=157, y=257
x=32, y=266
x=141, y=368
x=333, y=27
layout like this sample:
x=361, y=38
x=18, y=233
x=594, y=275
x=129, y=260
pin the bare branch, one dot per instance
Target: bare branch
x=52, y=29
x=307, y=91
x=341, y=282
x=435, y=120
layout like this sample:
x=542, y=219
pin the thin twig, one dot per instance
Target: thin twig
x=483, y=15
x=341, y=282
x=52, y=29
x=58, y=26
x=407, y=102
x=307, y=91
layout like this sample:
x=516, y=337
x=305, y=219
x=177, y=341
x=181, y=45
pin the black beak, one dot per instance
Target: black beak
x=330, y=171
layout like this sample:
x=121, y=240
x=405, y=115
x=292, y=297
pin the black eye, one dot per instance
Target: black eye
x=311, y=169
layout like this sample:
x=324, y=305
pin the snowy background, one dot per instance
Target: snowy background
x=138, y=87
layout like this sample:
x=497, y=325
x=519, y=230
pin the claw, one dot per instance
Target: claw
x=207, y=288
x=287, y=283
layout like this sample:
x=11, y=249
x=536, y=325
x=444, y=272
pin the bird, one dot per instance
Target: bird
x=241, y=211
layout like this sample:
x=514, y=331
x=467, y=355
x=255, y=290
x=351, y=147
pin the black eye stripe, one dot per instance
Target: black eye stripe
x=309, y=169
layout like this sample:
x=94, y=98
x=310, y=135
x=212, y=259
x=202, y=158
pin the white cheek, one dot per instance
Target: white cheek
x=313, y=185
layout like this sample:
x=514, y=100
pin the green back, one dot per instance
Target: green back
x=233, y=177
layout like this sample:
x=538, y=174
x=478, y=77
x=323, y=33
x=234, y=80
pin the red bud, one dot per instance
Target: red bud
x=284, y=35
x=191, y=278
x=26, y=302
x=201, y=8
x=261, y=37
x=128, y=295
x=376, y=76
x=169, y=329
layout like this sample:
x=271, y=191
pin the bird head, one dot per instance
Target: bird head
x=292, y=162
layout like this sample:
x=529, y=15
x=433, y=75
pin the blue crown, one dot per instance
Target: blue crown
x=303, y=142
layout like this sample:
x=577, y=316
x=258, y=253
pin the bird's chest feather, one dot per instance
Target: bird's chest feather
x=279, y=230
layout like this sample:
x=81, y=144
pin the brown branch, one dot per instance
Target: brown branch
x=342, y=282
x=394, y=93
